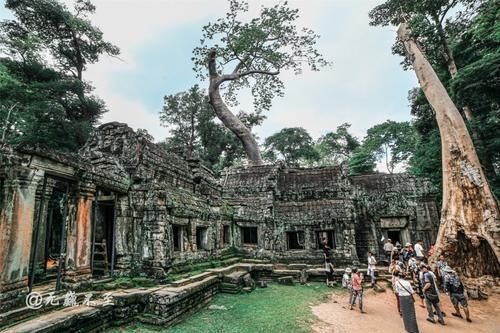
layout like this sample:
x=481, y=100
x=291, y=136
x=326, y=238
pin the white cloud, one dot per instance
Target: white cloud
x=354, y=90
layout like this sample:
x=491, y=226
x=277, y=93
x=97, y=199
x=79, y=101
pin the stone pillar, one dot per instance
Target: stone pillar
x=79, y=236
x=16, y=227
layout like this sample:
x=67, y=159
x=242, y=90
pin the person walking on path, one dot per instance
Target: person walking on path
x=405, y=292
x=431, y=296
x=395, y=270
x=329, y=273
x=388, y=247
x=419, y=284
x=455, y=288
x=347, y=282
x=371, y=268
x=357, y=289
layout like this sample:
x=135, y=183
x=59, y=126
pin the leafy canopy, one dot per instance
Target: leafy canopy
x=251, y=54
x=69, y=36
x=336, y=147
x=194, y=130
x=292, y=145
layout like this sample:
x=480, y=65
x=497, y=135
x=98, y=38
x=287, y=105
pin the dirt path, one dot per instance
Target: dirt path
x=382, y=316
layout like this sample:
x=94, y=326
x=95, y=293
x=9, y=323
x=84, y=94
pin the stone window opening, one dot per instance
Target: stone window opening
x=202, y=238
x=329, y=236
x=226, y=234
x=249, y=235
x=178, y=237
x=296, y=240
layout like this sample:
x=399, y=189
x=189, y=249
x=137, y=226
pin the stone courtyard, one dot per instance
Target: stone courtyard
x=126, y=208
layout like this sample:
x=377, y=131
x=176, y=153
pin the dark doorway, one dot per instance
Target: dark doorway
x=249, y=235
x=46, y=241
x=394, y=236
x=295, y=240
x=202, y=238
x=103, y=238
x=226, y=234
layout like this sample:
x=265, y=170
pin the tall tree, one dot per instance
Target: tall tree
x=69, y=36
x=252, y=55
x=362, y=162
x=336, y=147
x=48, y=30
x=34, y=101
x=48, y=48
x=470, y=219
x=392, y=141
x=192, y=127
x=184, y=113
x=292, y=145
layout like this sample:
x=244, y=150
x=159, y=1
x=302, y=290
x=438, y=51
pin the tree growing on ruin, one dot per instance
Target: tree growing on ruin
x=391, y=142
x=47, y=31
x=336, y=147
x=470, y=219
x=252, y=55
x=193, y=128
x=292, y=145
x=48, y=48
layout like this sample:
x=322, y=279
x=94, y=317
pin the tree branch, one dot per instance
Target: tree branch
x=443, y=14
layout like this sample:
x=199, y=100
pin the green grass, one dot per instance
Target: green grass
x=276, y=309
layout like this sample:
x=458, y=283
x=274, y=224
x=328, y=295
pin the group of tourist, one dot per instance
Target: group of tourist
x=411, y=274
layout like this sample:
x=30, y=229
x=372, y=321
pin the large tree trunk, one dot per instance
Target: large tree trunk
x=228, y=118
x=470, y=226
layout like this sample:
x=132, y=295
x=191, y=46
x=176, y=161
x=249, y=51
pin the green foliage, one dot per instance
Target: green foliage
x=337, y=147
x=253, y=53
x=362, y=162
x=40, y=106
x=69, y=36
x=472, y=37
x=292, y=145
x=192, y=127
x=277, y=309
x=391, y=141
x=43, y=98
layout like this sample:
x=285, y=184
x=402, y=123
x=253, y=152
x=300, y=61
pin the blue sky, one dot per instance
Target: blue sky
x=364, y=86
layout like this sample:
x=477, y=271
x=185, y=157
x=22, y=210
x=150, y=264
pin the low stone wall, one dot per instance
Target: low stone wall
x=169, y=304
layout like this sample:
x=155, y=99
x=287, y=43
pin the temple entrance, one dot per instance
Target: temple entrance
x=103, y=251
x=394, y=236
x=49, y=232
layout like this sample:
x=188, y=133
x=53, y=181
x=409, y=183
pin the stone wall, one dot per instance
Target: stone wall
x=355, y=212
x=164, y=210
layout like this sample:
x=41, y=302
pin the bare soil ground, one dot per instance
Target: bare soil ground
x=382, y=316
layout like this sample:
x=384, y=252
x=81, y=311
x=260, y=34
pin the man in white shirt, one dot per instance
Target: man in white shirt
x=419, y=250
x=371, y=268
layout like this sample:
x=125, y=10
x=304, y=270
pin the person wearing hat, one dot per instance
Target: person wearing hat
x=455, y=288
x=347, y=282
x=407, y=253
x=388, y=247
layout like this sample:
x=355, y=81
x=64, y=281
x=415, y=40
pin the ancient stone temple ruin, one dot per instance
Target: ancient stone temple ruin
x=125, y=206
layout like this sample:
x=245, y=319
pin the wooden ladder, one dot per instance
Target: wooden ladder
x=101, y=258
